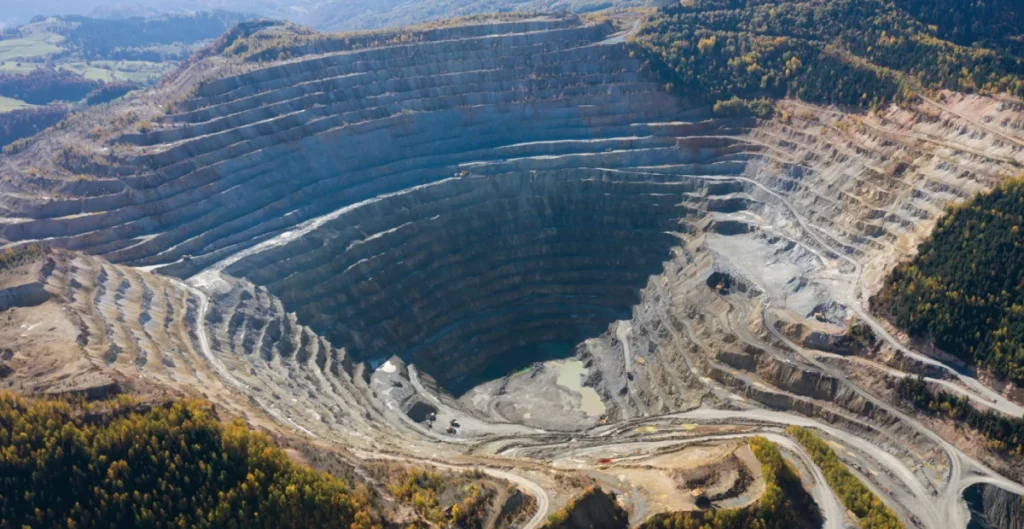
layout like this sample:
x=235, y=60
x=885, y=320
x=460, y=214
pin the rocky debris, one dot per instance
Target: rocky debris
x=830, y=312
x=994, y=508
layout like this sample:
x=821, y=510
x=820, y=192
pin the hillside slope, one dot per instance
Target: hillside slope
x=335, y=15
x=848, y=52
x=965, y=288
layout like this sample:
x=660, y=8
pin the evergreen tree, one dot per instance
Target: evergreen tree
x=123, y=464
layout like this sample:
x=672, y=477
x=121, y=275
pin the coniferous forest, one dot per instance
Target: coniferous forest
x=1004, y=434
x=851, y=52
x=965, y=288
x=124, y=464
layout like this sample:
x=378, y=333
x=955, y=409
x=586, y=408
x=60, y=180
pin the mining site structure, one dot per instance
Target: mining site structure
x=505, y=224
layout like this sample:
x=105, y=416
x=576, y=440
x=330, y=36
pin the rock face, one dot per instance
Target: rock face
x=595, y=509
x=347, y=235
x=470, y=192
x=994, y=508
x=453, y=274
x=254, y=154
x=546, y=232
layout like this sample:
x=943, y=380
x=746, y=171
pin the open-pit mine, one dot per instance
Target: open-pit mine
x=502, y=244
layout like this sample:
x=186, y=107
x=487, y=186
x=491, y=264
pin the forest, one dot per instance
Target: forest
x=1004, y=434
x=110, y=92
x=75, y=58
x=90, y=38
x=989, y=23
x=964, y=290
x=24, y=122
x=15, y=256
x=45, y=85
x=124, y=463
x=783, y=505
x=456, y=500
x=114, y=39
x=873, y=514
x=862, y=53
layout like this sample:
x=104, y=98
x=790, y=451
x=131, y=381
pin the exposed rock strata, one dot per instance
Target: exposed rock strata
x=368, y=229
x=994, y=508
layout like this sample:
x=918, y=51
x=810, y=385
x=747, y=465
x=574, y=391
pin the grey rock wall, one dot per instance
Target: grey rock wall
x=994, y=508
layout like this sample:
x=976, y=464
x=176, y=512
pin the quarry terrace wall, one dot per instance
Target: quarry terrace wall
x=481, y=189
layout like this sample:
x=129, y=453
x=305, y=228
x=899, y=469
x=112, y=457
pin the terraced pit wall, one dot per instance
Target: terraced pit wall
x=463, y=197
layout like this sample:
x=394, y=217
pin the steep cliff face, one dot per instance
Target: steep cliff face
x=461, y=194
x=251, y=155
x=994, y=508
x=455, y=274
x=339, y=166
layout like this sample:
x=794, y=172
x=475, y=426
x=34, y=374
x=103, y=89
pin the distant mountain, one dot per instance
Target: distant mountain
x=125, y=10
x=341, y=15
x=21, y=12
x=325, y=15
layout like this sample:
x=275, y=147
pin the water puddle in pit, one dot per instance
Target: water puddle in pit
x=571, y=377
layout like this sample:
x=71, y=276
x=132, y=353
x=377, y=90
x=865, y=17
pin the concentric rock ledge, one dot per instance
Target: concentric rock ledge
x=456, y=200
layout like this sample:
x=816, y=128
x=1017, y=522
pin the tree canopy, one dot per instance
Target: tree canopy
x=965, y=288
x=850, y=52
x=1005, y=434
x=123, y=464
x=859, y=499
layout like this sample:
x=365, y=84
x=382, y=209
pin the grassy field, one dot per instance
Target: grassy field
x=22, y=56
x=138, y=71
x=91, y=71
x=106, y=71
x=7, y=104
x=35, y=46
x=16, y=68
